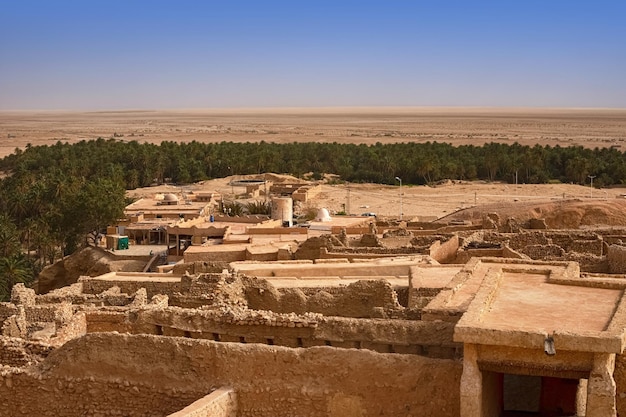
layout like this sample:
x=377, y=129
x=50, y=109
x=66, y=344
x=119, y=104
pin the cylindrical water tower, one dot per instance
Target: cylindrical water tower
x=282, y=209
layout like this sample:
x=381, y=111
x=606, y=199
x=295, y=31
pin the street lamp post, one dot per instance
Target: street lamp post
x=400, y=181
x=591, y=177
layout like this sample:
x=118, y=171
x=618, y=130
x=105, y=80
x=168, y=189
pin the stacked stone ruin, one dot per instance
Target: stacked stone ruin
x=213, y=340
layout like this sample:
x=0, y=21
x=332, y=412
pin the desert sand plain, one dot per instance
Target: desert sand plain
x=457, y=126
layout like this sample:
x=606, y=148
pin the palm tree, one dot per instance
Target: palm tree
x=9, y=238
x=13, y=269
x=259, y=207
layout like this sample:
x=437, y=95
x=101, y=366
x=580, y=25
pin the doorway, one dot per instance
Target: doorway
x=540, y=396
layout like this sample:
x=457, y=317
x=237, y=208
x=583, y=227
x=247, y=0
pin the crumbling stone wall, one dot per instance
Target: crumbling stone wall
x=311, y=248
x=71, y=294
x=225, y=288
x=97, y=286
x=352, y=254
x=518, y=241
x=426, y=338
x=367, y=298
x=102, y=320
x=588, y=262
x=16, y=325
x=20, y=295
x=75, y=327
x=17, y=352
x=508, y=252
x=117, y=372
x=49, y=313
x=616, y=257
x=7, y=310
x=200, y=267
x=464, y=255
x=541, y=252
x=233, y=254
x=445, y=252
x=76, y=396
x=578, y=242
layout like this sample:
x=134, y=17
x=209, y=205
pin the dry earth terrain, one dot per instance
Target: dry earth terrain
x=563, y=127
x=528, y=126
x=566, y=205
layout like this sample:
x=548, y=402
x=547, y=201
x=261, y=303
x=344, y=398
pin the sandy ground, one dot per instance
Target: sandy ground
x=584, y=127
x=458, y=126
x=418, y=202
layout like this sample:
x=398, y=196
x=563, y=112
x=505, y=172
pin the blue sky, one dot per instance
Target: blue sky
x=123, y=54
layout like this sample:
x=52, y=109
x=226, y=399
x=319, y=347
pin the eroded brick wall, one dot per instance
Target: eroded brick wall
x=425, y=338
x=96, y=286
x=617, y=259
x=113, y=374
x=25, y=394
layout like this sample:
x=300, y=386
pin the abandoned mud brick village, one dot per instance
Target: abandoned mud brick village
x=329, y=208
x=181, y=309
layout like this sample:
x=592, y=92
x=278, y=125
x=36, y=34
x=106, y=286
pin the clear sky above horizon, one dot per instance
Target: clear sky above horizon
x=153, y=54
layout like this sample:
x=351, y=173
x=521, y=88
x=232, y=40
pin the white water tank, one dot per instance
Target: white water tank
x=282, y=209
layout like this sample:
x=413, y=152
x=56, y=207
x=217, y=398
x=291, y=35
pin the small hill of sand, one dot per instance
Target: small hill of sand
x=566, y=214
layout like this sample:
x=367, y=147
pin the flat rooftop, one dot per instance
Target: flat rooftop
x=341, y=221
x=135, y=277
x=150, y=205
x=522, y=305
x=433, y=276
x=527, y=301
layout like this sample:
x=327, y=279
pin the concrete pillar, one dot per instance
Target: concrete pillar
x=471, y=383
x=601, y=387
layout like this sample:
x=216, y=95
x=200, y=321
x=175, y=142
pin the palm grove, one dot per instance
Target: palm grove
x=55, y=199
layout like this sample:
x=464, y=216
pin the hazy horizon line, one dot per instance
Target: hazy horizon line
x=310, y=108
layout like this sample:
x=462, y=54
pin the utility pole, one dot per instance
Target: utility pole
x=591, y=177
x=348, y=202
x=400, y=181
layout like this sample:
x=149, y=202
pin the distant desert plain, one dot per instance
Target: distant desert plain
x=457, y=126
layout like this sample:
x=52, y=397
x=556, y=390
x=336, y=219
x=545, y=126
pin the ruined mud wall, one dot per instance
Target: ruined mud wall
x=578, y=242
x=157, y=374
x=30, y=394
x=588, y=262
x=445, y=252
x=543, y=252
x=185, y=291
x=426, y=338
x=332, y=268
x=617, y=259
x=518, y=241
x=97, y=286
x=464, y=255
x=369, y=252
x=7, y=310
x=18, y=352
x=75, y=327
x=227, y=254
x=362, y=299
